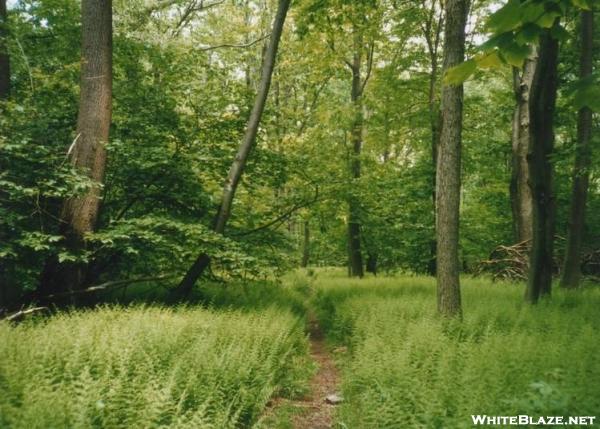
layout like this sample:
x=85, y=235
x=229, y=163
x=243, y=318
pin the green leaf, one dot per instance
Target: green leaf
x=582, y=4
x=559, y=33
x=489, y=61
x=588, y=97
x=506, y=18
x=66, y=257
x=547, y=19
x=516, y=54
x=529, y=33
x=458, y=74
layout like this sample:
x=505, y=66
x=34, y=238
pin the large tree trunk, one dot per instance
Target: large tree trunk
x=354, y=242
x=237, y=167
x=4, y=58
x=520, y=192
x=448, y=165
x=581, y=175
x=541, y=144
x=88, y=152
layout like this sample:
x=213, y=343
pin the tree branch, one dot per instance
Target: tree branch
x=282, y=217
x=369, y=66
x=192, y=8
x=228, y=45
x=112, y=285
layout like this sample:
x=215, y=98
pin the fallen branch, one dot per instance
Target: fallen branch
x=112, y=285
x=19, y=315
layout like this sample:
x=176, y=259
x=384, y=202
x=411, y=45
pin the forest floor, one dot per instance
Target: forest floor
x=313, y=410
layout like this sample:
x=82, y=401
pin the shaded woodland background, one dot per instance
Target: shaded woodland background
x=342, y=171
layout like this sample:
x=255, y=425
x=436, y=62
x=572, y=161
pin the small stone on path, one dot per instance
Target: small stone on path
x=334, y=399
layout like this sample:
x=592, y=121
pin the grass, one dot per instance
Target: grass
x=147, y=367
x=407, y=368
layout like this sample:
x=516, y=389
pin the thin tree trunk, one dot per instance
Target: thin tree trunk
x=520, y=193
x=435, y=124
x=372, y=263
x=88, y=152
x=4, y=58
x=541, y=144
x=237, y=167
x=448, y=166
x=4, y=93
x=432, y=30
x=355, y=258
x=306, y=245
x=581, y=175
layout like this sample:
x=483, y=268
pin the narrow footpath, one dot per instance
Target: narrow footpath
x=324, y=387
x=316, y=409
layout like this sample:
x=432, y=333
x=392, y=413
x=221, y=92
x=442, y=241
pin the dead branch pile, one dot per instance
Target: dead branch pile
x=590, y=263
x=512, y=262
x=507, y=262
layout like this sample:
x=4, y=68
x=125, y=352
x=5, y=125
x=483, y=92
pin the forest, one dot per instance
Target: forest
x=299, y=214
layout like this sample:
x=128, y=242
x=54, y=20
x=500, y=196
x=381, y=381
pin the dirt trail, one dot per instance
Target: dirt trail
x=319, y=413
x=314, y=411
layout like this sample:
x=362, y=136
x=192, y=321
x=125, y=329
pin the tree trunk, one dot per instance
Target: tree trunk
x=581, y=176
x=4, y=93
x=520, y=193
x=372, y=263
x=541, y=144
x=432, y=31
x=237, y=167
x=306, y=245
x=448, y=166
x=4, y=58
x=88, y=152
x=354, y=242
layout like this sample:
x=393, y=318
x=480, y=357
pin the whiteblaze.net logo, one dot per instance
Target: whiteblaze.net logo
x=485, y=420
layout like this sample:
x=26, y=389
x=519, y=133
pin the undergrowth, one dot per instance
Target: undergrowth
x=147, y=367
x=408, y=368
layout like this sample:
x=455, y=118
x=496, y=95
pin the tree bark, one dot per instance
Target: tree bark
x=355, y=259
x=571, y=274
x=448, y=166
x=520, y=193
x=237, y=167
x=4, y=58
x=306, y=245
x=541, y=145
x=432, y=30
x=4, y=93
x=372, y=263
x=88, y=152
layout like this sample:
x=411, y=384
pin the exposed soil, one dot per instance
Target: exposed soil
x=315, y=411
x=319, y=413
